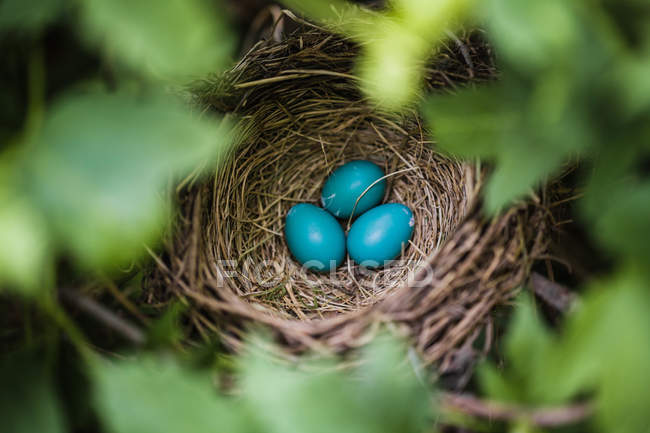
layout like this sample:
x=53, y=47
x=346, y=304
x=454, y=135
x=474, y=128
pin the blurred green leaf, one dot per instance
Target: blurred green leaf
x=25, y=261
x=623, y=220
x=528, y=341
x=389, y=387
x=391, y=68
x=28, y=401
x=632, y=77
x=289, y=401
x=430, y=18
x=474, y=122
x=397, y=44
x=527, y=142
x=28, y=16
x=497, y=385
x=167, y=328
x=517, y=173
x=158, y=396
x=100, y=165
x=521, y=30
x=622, y=337
x=604, y=351
x=385, y=397
x=24, y=256
x=526, y=349
x=339, y=15
x=616, y=203
x=607, y=349
x=170, y=39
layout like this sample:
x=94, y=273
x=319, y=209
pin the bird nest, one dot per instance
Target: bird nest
x=300, y=116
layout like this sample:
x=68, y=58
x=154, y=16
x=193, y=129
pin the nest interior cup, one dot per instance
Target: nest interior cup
x=300, y=117
x=255, y=189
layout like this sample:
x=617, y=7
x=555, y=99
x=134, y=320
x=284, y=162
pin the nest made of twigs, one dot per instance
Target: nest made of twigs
x=300, y=116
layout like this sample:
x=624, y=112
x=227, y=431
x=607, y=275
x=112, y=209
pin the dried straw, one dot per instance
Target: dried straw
x=301, y=116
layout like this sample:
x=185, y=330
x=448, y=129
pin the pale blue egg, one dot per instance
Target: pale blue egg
x=380, y=234
x=314, y=237
x=344, y=186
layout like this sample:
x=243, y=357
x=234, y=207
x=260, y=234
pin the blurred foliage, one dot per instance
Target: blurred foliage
x=155, y=394
x=382, y=395
x=158, y=395
x=184, y=37
x=99, y=214
x=569, y=91
x=24, y=258
x=28, y=401
x=602, y=352
x=29, y=16
x=92, y=138
x=87, y=174
x=395, y=44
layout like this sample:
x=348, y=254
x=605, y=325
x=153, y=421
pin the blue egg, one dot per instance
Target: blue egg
x=347, y=183
x=315, y=238
x=380, y=234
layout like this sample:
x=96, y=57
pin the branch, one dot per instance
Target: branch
x=103, y=315
x=554, y=294
x=540, y=417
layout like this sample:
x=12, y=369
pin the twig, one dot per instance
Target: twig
x=103, y=315
x=541, y=417
x=554, y=294
x=128, y=305
x=463, y=50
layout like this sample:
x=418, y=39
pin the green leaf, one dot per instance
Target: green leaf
x=100, y=165
x=473, y=122
x=607, y=349
x=528, y=340
x=25, y=263
x=28, y=16
x=496, y=385
x=158, y=396
x=171, y=39
x=603, y=352
x=340, y=15
x=28, y=401
x=521, y=30
x=166, y=329
x=390, y=69
x=631, y=77
x=24, y=256
x=526, y=142
x=616, y=203
x=389, y=387
x=289, y=401
x=384, y=396
x=527, y=346
x=623, y=224
x=520, y=169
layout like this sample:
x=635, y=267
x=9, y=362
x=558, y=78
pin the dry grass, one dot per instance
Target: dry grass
x=255, y=189
x=300, y=117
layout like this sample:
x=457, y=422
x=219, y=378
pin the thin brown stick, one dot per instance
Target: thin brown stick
x=103, y=315
x=126, y=303
x=554, y=294
x=556, y=416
